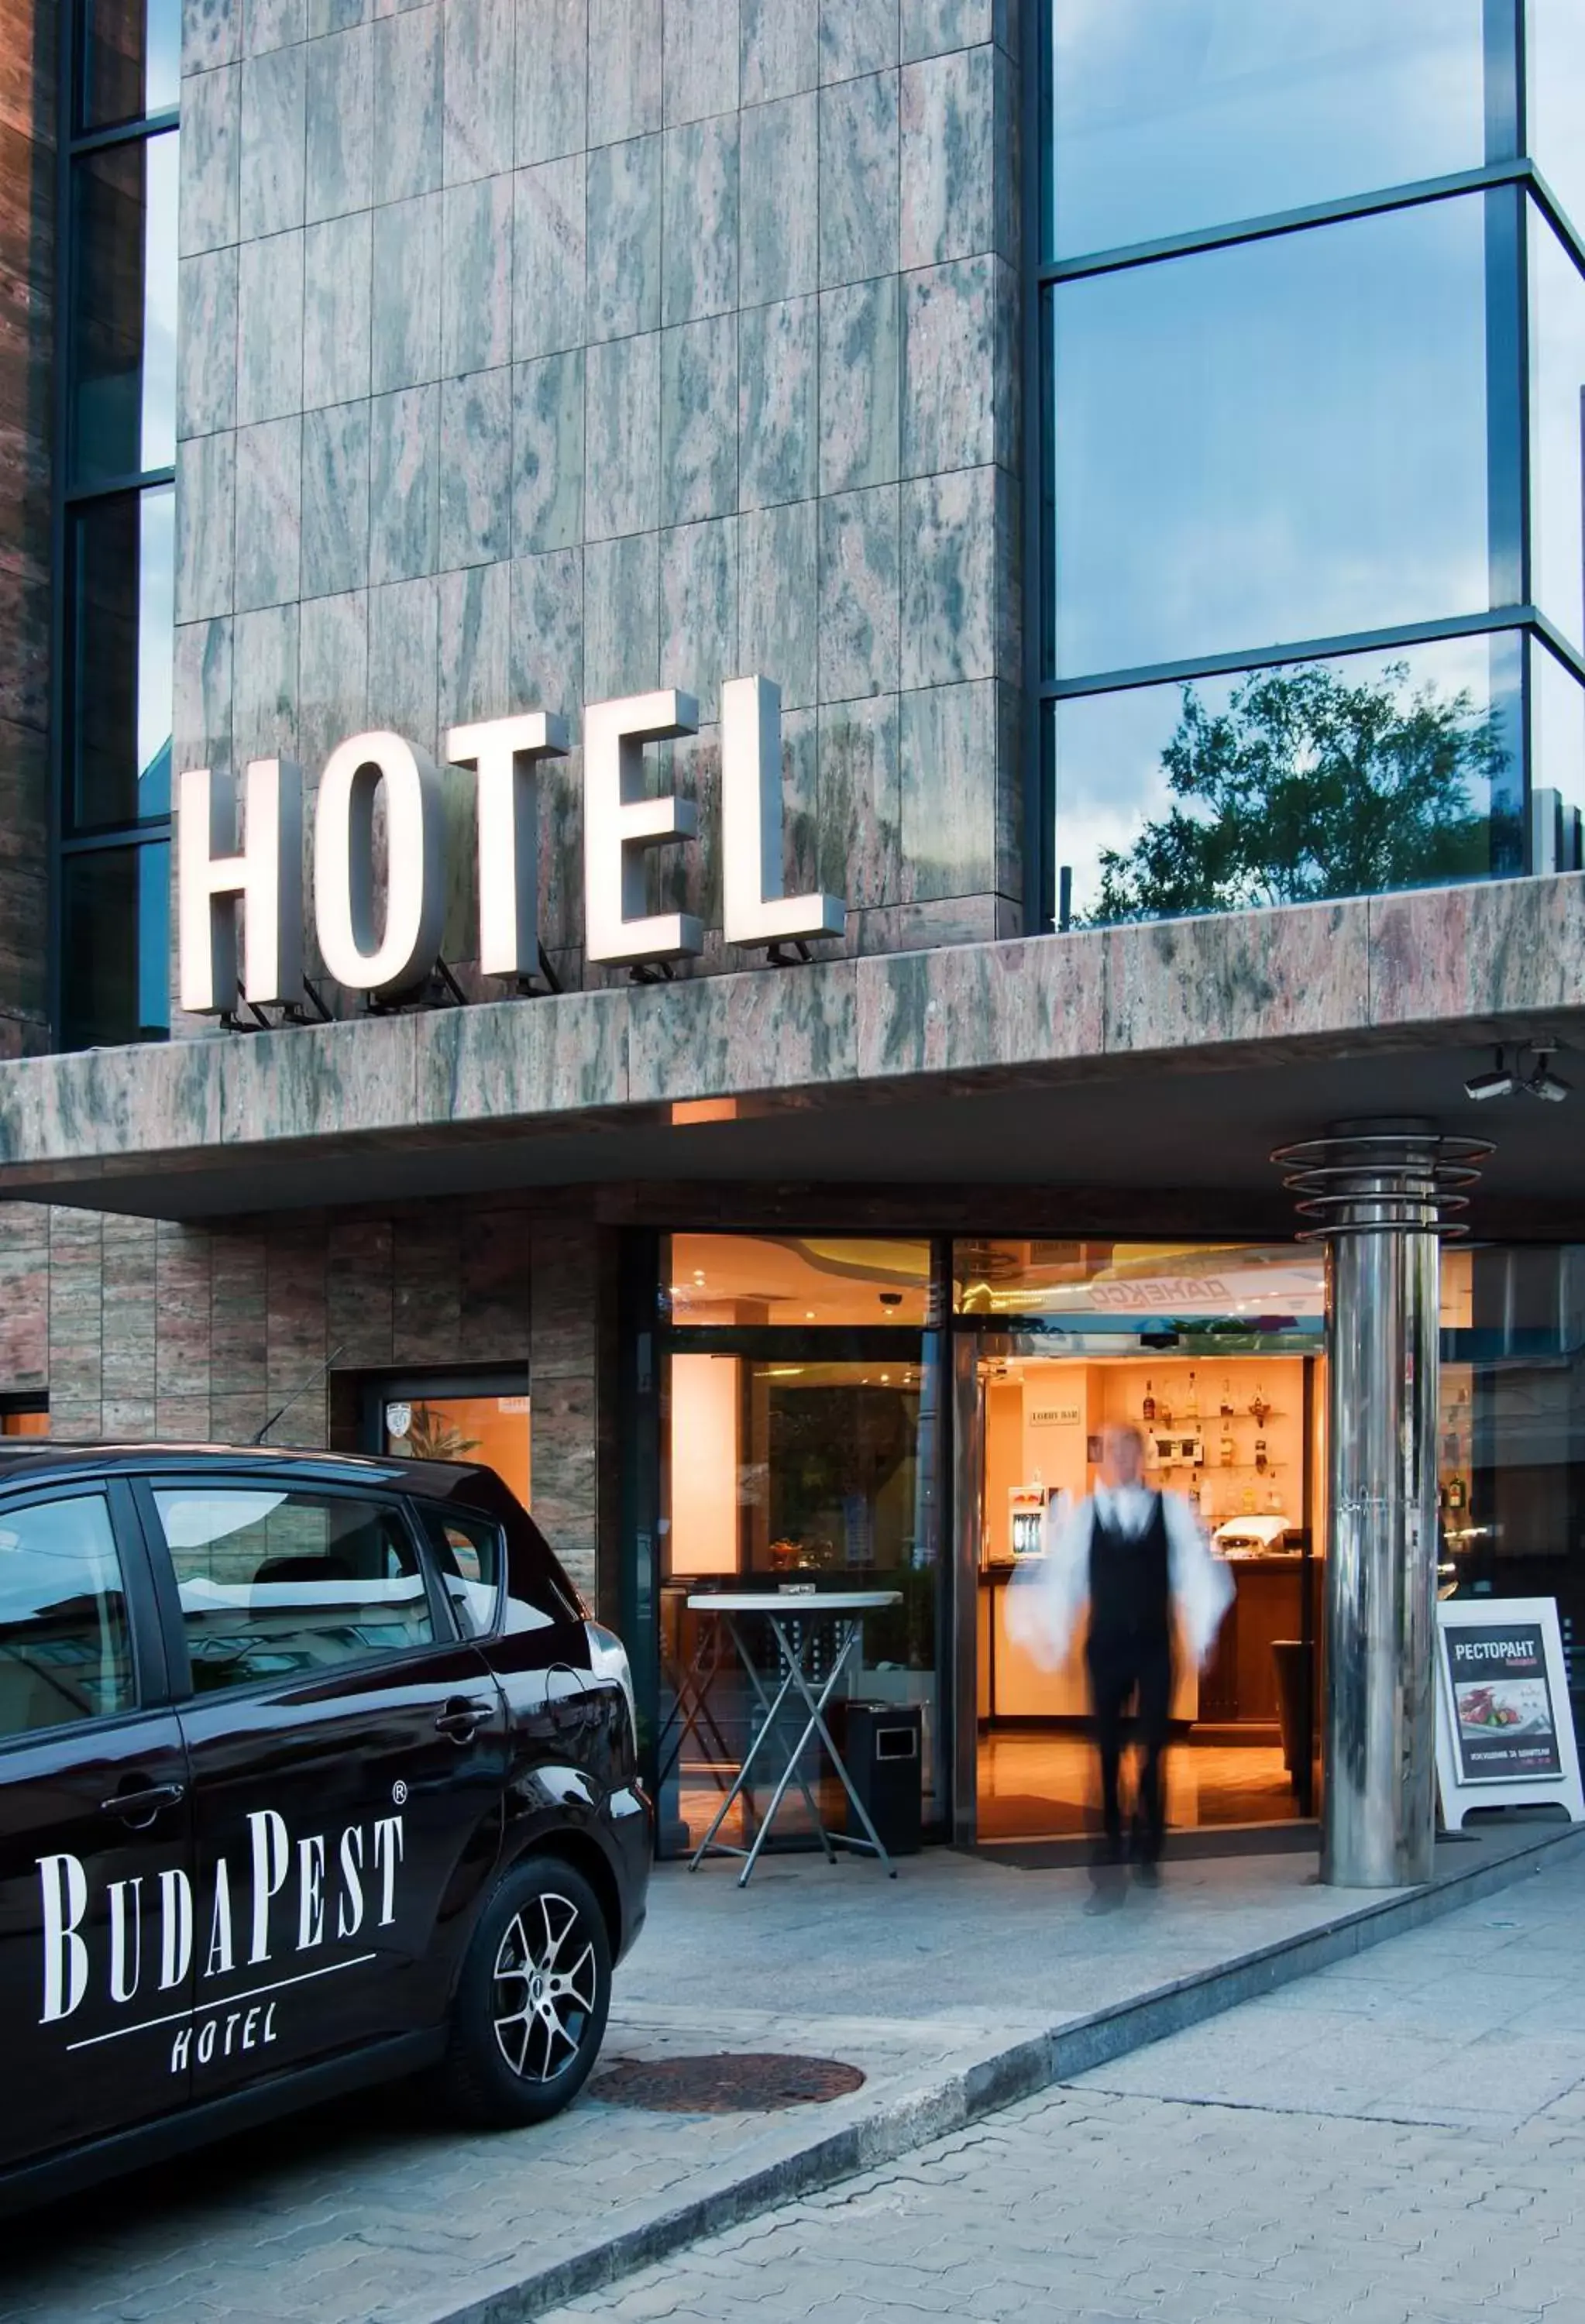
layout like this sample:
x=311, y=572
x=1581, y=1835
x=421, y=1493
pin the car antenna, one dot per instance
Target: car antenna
x=297, y=1392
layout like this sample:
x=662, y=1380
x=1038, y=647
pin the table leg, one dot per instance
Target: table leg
x=816, y=1710
x=750, y=1756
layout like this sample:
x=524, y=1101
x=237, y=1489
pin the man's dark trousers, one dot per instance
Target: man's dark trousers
x=1129, y=1659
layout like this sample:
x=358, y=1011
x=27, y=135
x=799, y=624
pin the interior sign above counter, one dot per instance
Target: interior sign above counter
x=389, y=945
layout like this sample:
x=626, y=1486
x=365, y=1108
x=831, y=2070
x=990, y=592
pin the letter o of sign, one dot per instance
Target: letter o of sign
x=357, y=953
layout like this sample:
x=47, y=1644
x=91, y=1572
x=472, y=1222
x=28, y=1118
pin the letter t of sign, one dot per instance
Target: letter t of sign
x=266, y=877
x=755, y=910
x=504, y=750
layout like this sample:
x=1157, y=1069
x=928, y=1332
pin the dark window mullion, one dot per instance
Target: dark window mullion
x=137, y=131
x=122, y=834
x=106, y=488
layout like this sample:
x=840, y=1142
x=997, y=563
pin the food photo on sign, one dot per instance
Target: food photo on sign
x=1502, y=1702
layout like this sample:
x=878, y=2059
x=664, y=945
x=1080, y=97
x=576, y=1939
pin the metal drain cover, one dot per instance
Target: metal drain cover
x=751, y=2081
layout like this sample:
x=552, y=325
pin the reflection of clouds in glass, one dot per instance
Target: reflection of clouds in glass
x=1280, y=441
x=162, y=81
x=159, y=416
x=1175, y=114
x=156, y=600
x=1109, y=778
x=1557, y=381
x=1555, y=53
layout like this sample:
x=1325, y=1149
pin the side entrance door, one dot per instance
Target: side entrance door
x=348, y=1756
x=96, y=1897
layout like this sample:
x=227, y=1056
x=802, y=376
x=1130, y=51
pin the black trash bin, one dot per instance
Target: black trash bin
x=882, y=1747
x=1291, y=1658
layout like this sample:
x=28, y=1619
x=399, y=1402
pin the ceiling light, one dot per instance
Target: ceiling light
x=1500, y=1083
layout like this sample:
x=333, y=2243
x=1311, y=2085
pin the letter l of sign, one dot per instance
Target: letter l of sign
x=265, y=876
x=504, y=750
x=755, y=910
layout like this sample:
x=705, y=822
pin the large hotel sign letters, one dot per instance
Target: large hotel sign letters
x=392, y=951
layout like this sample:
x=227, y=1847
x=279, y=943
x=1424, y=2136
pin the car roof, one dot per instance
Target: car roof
x=25, y=1460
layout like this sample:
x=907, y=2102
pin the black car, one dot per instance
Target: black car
x=313, y=1771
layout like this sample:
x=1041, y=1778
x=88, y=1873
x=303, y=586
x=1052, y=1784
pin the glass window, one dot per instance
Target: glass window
x=124, y=321
x=1342, y=778
x=1282, y=441
x=1137, y=1286
x=280, y=1585
x=472, y=1564
x=797, y=1280
x=1555, y=51
x=65, y=1647
x=1170, y=114
x=1557, y=741
x=130, y=61
x=115, y=942
x=493, y=1430
x=119, y=640
x=1557, y=418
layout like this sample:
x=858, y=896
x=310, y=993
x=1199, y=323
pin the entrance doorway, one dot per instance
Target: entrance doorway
x=1225, y=1382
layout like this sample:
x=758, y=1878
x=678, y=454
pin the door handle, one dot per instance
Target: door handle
x=138, y=1809
x=462, y=1719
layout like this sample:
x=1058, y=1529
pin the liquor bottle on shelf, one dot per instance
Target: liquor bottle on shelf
x=1260, y=1454
x=1191, y=1401
x=1230, y=1451
x=1259, y=1408
x=1147, y=1409
x=1227, y=1399
x=1458, y=1495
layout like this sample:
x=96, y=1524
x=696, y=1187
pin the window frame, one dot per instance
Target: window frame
x=336, y=1675
x=1513, y=167
x=145, y=1630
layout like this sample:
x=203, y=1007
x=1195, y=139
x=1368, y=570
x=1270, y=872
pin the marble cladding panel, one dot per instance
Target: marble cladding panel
x=949, y=372
x=495, y=1268
x=778, y=630
x=926, y=1012
x=406, y=159
x=76, y=1323
x=1317, y=976
x=623, y=252
x=931, y=28
x=546, y=634
x=25, y=1297
x=552, y=80
x=699, y=610
x=205, y=384
x=340, y=123
x=338, y=293
x=335, y=499
x=131, y=1315
x=857, y=36
x=295, y=1344
x=271, y=25
x=211, y=159
x=518, y=1060
x=698, y=418
x=404, y=485
x=269, y=514
x=550, y=256
x=860, y=640
x=1012, y=726
x=564, y=1438
x=479, y=82
x=333, y=677
x=860, y=437
x=949, y=165
x=710, y=1034
x=700, y=60
x=182, y=1299
x=949, y=568
x=547, y=454
x=279, y=1085
x=621, y=471
x=859, y=178
x=426, y=1320
x=476, y=637
x=404, y=647
x=404, y=339
x=625, y=69
x=1496, y=947
x=778, y=388
x=476, y=468
x=265, y=688
x=477, y=242
x=622, y=616
x=699, y=222
x=270, y=185
x=269, y=336
x=205, y=516
x=211, y=35
x=860, y=802
x=325, y=16
x=779, y=220
x=948, y=791
x=238, y=1302
x=562, y=1335
x=779, y=48
x=360, y=1292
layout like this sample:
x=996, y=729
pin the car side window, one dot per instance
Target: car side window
x=65, y=1642
x=471, y=1558
x=281, y=1584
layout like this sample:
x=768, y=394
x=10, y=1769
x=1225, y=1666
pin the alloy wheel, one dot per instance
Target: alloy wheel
x=546, y=1980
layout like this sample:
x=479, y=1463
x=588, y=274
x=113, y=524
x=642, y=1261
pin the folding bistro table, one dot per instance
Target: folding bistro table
x=795, y=1622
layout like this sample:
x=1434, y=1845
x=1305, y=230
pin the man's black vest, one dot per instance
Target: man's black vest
x=1130, y=1583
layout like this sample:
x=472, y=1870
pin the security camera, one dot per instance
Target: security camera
x=1500, y=1083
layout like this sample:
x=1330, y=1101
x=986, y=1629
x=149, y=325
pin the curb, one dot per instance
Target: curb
x=1019, y=2071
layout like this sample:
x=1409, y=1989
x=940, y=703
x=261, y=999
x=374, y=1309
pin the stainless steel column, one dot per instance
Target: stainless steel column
x=1379, y=1195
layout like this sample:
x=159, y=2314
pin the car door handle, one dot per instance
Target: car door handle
x=140, y=1807
x=462, y=1719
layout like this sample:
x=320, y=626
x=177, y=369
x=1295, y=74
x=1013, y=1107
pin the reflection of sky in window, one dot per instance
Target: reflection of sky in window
x=1557, y=383
x=158, y=418
x=163, y=78
x=156, y=599
x=1556, y=52
x=1109, y=778
x=1276, y=442
x=153, y=937
x=1171, y=114
x=1557, y=728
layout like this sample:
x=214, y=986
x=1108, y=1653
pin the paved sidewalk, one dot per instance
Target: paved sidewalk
x=1397, y=2140
x=958, y=1986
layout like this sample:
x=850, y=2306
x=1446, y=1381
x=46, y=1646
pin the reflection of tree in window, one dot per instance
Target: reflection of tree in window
x=431, y=1436
x=1308, y=786
x=832, y=1458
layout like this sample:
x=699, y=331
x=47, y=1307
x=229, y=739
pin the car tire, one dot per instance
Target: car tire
x=532, y=2002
